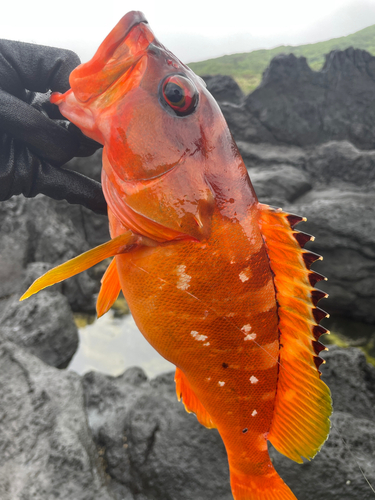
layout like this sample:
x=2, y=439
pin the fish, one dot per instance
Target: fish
x=217, y=282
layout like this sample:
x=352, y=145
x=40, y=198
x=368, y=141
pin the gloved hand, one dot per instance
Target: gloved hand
x=35, y=139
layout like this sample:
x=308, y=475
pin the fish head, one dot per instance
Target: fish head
x=161, y=129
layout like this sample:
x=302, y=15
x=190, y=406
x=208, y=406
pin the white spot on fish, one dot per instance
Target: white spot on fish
x=262, y=442
x=243, y=276
x=183, y=278
x=251, y=336
x=268, y=355
x=197, y=336
x=246, y=328
x=254, y=413
x=251, y=228
x=268, y=297
x=253, y=379
x=221, y=383
x=208, y=379
x=207, y=343
x=268, y=395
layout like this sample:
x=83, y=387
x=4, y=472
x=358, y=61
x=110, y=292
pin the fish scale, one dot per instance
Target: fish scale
x=217, y=282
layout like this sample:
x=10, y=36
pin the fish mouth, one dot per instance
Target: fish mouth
x=121, y=49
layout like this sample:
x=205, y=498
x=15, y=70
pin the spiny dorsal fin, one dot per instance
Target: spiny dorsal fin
x=303, y=404
x=190, y=400
x=109, y=290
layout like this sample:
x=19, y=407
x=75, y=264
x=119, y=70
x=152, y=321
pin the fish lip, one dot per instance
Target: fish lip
x=94, y=68
x=121, y=31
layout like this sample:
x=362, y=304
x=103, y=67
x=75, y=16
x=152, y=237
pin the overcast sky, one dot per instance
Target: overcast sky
x=194, y=30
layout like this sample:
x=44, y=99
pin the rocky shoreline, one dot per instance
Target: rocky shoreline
x=308, y=140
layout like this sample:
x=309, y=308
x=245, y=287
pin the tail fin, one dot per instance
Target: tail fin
x=263, y=487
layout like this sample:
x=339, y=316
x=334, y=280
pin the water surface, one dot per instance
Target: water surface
x=111, y=345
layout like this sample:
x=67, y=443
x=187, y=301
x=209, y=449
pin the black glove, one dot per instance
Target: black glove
x=35, y=139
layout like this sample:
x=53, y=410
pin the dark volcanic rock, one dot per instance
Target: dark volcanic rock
x=14, y=245
x=279, y=184
x=224, y=88
x=47, y=450
x=351, y=380
x=150, y=445
x=351, y=443
x=244, y=125
x=302, y=107
x=339, y=161
x=43, y=230
x=335, y=473
x=343, y=222
x=269, y=155
x=44, y=325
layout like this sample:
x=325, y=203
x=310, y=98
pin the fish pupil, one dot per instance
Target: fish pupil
x=173, y=93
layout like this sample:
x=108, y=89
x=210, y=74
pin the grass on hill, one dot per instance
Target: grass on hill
x=247, y=68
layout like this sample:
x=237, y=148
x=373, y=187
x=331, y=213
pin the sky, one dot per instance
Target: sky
x=193, y=30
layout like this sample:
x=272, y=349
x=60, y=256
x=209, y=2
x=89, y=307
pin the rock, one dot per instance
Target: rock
x=244, y=125
x=279, y=184
x=42, y=230
x=335, y=473
x=351, y=380
x=150, y=445
x=277, y=173
x=338, y=162
x=14, y=245
x=47, y=449
x=351, y=443
x=224, y=88
x=302, y=107
x=343, y=223
x=269, y=155
x=44, y=325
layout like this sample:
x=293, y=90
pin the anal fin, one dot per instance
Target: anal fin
x=303, y=403
x=109, y=290
x=190, y=400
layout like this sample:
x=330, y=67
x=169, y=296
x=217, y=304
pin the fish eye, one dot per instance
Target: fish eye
x=180, y=94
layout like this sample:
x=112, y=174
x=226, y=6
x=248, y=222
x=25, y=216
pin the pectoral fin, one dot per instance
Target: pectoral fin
x=121, y=244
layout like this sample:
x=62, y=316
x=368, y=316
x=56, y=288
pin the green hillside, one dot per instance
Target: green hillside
x=247, y=68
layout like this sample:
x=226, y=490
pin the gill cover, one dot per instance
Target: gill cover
x=162, y=132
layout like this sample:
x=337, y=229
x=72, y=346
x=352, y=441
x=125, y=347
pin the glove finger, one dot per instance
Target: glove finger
x=21, y=172
x=34, y=67
x=61, y=184
x=42, y=135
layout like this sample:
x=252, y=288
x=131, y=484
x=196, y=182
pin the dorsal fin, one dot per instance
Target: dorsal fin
x=303, y=404
x=190, y=400
x=109, y=290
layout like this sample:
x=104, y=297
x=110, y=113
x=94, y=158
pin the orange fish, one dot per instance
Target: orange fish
x=217, y=282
